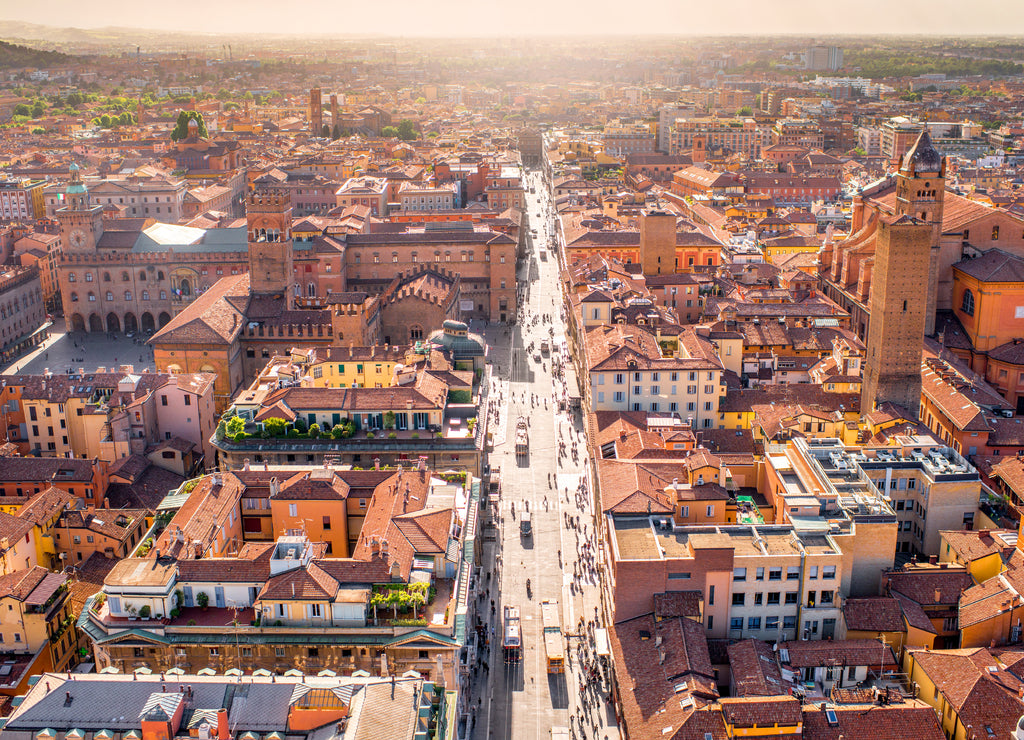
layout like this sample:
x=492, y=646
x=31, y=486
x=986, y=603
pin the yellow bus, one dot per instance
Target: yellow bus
x=553, y=647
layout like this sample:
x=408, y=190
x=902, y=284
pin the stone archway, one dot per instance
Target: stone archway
x=147, y=322
x=165, y=319
x=95, y=323
x=130, y=322
x=113, y=323
x=77, y=322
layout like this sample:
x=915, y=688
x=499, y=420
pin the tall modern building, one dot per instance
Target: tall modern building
x=824, y=58
x=903, y=282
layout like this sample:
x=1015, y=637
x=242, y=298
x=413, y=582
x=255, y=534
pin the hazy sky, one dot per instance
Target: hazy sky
x=558, y=17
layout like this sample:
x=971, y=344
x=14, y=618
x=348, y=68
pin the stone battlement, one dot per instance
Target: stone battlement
x=268, y=201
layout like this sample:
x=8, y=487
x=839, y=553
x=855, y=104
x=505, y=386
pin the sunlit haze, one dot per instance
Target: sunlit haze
x=540, y=17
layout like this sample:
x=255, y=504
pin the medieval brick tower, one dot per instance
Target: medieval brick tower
x=316, y=112
x=902, y=286
x=269, y=218
x=657, y=242
x=80, y=221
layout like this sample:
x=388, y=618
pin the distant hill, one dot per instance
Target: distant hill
x=14, y=55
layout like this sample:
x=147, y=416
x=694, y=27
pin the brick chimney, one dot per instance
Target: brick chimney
x=223, y=732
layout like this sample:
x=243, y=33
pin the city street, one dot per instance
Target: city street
x=524, y=700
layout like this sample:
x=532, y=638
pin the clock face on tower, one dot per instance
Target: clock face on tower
x=77, y=238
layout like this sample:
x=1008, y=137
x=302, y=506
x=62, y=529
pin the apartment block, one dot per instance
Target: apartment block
x=921, y=485
x=21, y=199
x=735, y=134
x=287, y=603
x=110, y=415
x=628, y=370
x=768, y=582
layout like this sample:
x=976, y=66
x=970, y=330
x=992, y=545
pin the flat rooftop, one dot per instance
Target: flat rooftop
x=645, y=539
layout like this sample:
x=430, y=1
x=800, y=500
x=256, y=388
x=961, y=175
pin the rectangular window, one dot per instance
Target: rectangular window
x=789, y=623
x=792, y=572
x=828, y=572
x=771, y=623
x=739, y=599
x=754, y=623
x=775, y=574
x=773, y=597
x=293, y=509
x=814, y=571
x=327, y=522
x=679, y=576
x=739, y=574
x=760, y=574
x=791, y=597
x=736, y=623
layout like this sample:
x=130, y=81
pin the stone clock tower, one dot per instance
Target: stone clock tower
x=80, y=222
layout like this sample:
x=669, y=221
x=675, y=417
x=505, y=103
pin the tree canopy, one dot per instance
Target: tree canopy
x=181, y=127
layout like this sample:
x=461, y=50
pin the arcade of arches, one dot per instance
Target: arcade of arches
x=129, y=322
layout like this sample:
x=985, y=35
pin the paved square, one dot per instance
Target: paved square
x=63, y=352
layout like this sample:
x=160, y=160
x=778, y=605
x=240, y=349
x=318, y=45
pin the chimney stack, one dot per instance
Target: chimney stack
x=223, y=731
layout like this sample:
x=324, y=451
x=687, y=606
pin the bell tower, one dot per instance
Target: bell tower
x=920, y=194
x=903, y=282
x=268, y=217
x=81, y=223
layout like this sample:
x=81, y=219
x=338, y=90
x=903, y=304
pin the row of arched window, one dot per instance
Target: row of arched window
x=125, y=277
x=110, y=296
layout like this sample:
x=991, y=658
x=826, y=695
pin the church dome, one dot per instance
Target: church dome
x=454, y=327
x=456, y=338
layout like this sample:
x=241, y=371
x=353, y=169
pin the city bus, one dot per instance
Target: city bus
x=512, y=639
x=553, y=646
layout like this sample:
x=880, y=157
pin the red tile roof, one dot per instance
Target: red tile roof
x=892, y=722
